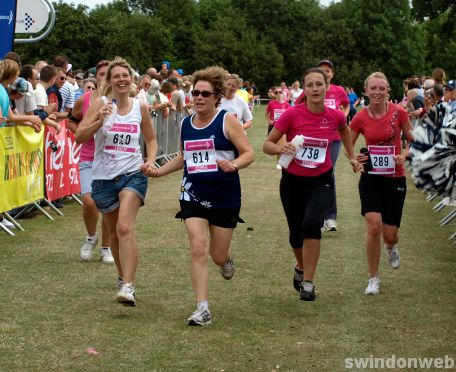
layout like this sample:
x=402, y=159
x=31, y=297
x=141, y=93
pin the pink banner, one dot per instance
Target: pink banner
x=61, y=166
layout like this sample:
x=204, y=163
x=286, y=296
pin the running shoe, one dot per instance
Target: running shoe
x=330, y=225
x=297, y=278
x=8, y=224
x=278, y=166
x=394, y=257
x=119, y=282
x=200, y=318
x=106, y=255
x=227, y=269
x=87, y=248
x=127, y=295
x=373, y=288
x=307, y=292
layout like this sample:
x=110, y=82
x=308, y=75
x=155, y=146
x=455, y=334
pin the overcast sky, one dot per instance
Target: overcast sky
x=92, y=3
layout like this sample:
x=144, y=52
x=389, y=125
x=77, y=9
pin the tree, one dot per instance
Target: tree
x=423, y=9
x=229, y=42
x=71, y=37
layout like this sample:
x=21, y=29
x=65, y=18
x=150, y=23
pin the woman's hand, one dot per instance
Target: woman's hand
x=227, y=166
x=105, y=111
x=149, y=170
x=399, y=159
x=36, y=122
x=288, y=148
x=356, y=165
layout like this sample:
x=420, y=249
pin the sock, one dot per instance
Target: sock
x=298, y=274
x=202, y=305
x=91, y=238
x=104, y=247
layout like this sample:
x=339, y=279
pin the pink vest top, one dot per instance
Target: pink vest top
x=87, y=148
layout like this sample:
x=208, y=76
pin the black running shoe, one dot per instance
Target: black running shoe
x=297, y=278
x=307, y=292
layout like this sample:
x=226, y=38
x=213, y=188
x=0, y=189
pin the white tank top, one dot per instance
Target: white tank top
x=118, y=152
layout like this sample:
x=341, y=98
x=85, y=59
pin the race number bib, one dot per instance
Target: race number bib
x=312, y=153
x=331, y=103
x=382, y=158
x=278, y=113
x=200, y=156
x=122, y=138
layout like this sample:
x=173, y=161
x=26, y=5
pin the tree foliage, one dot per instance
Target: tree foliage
x=264, y=41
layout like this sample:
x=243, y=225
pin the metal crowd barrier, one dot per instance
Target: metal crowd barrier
x=167, y=132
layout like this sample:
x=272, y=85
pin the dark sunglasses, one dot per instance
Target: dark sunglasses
x=278, y=92
x=90, y=88
x=204, y=93
x=63, y=78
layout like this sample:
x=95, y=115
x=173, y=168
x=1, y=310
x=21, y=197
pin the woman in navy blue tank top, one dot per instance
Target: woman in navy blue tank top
x=214, y=148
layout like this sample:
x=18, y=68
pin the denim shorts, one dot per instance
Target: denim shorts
x=85, y=176
x=105, y=193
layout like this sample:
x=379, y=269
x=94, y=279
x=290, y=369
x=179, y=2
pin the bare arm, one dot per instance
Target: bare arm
x=247, y=124
x=93, y=121
x=346, y=139
x=271, y=145
x=345, y=109
x=148, y=131
x=236, y=134
x=76, y=113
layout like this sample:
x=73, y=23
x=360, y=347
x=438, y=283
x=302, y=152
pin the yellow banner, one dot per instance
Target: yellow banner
x=21, y=166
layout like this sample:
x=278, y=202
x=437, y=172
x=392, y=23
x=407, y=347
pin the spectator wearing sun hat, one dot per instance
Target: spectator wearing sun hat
x=450, y=94
x=26, y=104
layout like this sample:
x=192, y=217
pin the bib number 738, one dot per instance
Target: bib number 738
x=309, y=153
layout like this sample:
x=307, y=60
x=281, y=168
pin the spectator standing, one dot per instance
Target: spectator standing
x=234, y=104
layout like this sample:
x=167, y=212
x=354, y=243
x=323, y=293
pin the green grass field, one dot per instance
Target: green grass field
x=53, y=306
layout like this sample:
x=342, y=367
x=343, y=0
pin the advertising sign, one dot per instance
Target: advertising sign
x=7, y=23
x=31, y=17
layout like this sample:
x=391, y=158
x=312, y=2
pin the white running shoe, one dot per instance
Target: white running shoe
x=278, y=166
x=330, y=225
x=227, y=269
x=106, y=255
x=394, y=257
x=200, y=318
x=119, y=282
x=127, y=294
x=8, y=224
x=373, y=288
x=87, y=248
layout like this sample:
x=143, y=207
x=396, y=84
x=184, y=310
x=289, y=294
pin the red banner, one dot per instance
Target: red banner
x=61, y=166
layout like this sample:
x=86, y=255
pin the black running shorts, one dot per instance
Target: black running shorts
x=224, y=217
x=384, y=195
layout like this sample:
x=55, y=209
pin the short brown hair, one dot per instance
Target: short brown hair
x=8, y=69
x=60, y=61
x=215, y=76
x=47, y=73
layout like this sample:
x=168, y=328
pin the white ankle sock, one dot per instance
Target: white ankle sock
x=202, y=305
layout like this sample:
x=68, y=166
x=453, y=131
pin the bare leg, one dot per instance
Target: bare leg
x=128, y=246
x=390, y=235
x=110, y=219
x=89, y=214
x=374, y=230
x=219, y=247
x=299, y=261
x=310, y=256
x=104, y=233
x=197, y=230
